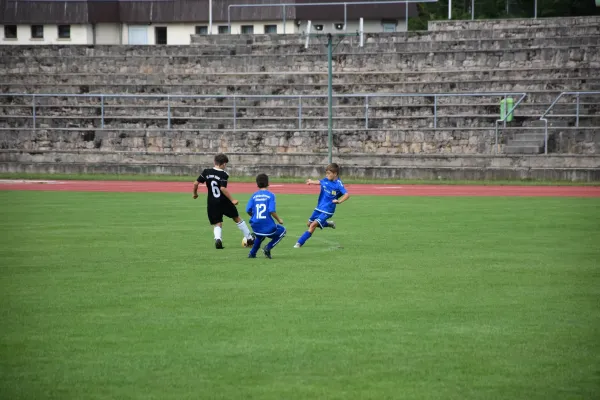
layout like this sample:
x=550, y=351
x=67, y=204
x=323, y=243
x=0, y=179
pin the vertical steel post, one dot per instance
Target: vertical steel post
x=329, y=94
x=169, y=112
x=366, y=112
x=33, y=109
x=299, y=112
x=284, y=19
x=577, y=112
x=435, y=111
x=234, y=114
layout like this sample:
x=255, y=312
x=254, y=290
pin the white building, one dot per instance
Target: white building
x=172, y=22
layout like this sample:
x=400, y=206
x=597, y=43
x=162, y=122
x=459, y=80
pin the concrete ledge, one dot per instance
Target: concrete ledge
x=459, y=173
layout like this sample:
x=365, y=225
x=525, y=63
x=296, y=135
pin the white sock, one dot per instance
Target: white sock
x=244, y=228
x=217, y=231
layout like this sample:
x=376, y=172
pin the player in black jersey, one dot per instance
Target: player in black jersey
x=219, y=200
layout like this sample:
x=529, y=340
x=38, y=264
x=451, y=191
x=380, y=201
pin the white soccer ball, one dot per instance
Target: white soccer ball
x=244, y=242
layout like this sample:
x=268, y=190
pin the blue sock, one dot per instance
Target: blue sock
x=305, y=236
x=256, y=245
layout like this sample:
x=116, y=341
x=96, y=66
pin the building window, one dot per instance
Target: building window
x=64, y=31
x=389, y=25
x=338, y=26
x=37, y=31
x=223, y=29
x=270, y=28
x=318, y=27
x=10, y=31
x=160, y=35
x=247, y=29
x=202, y=30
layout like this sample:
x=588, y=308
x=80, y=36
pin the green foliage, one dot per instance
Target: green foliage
x=492, y=9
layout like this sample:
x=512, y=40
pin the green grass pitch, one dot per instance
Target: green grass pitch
x=123, y=296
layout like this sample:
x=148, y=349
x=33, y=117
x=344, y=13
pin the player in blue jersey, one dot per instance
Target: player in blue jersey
x=262, y=211
x=332, y=193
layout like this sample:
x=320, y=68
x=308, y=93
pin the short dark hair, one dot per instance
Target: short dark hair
x=333, y=167
x=221, y=159
x=262, y=181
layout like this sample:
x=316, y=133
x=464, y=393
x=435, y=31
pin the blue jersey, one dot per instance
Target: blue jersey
x=261, y=205
x=330, y=190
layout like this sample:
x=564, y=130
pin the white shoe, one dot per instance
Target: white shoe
x=331, y=224
x=297, y=245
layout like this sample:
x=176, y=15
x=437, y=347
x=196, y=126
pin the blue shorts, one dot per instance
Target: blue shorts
x=320, y=217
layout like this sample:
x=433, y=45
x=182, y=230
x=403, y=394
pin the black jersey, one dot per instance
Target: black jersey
x=215, y=179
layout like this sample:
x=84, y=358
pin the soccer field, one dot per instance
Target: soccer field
x=123, y=296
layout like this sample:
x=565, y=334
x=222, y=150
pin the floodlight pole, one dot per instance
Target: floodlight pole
x=329, y=96
x=330, y=88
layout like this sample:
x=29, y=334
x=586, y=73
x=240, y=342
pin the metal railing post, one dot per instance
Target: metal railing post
x=345, y=16
x=234, y=114
x=435, y=111
x=33, y=110
x=102, y=111
x=366, y=112
x=284, y=19
x=577, y=112
x=169, y=112
x=545, y=135
x=299, y=112
x=229, y=19
x=505, y=111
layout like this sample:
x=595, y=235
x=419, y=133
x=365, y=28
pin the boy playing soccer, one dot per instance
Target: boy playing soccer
x=219, y=200
x=261, y=208
x=332, y=193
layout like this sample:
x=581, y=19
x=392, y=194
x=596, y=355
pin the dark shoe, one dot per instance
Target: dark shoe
x=250, y=241
x=267, y=253
x=218, y=244
x=331, y=224
x=251, y=255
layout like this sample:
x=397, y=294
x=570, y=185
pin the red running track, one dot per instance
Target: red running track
x=298, y=188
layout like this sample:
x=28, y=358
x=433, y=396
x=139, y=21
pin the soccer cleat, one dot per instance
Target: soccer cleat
x=267, y=253
x=331, y=224
x=251, y=255
x=250, y=241
x=297, y=245
x=218, y=244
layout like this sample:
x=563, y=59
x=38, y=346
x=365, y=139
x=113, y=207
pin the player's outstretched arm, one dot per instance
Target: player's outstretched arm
x=342, y=199
x=277, y=218
x=312, y=182
x=195, y=196
x=225, y=191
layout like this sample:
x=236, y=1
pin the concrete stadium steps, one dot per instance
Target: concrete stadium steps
x=449, y=44
x=568, y=56
x=277, y=111
x=247, y=123
x=256, y=42
x=300, y=78
x=379, y=141
x=520, y=85
x=289, y=141
x=514, y=23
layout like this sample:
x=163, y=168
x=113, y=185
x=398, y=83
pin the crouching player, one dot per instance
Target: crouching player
x=262, y=211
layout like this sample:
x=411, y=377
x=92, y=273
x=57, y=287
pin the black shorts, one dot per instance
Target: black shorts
x=217, y=210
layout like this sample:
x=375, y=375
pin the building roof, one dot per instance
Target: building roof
x=163, y=11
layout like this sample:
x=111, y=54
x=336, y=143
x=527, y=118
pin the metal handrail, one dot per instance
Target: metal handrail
x=576, y=115
x=345, y=4
x=169, y=97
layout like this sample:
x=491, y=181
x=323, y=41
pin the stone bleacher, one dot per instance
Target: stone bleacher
x=541, y=57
